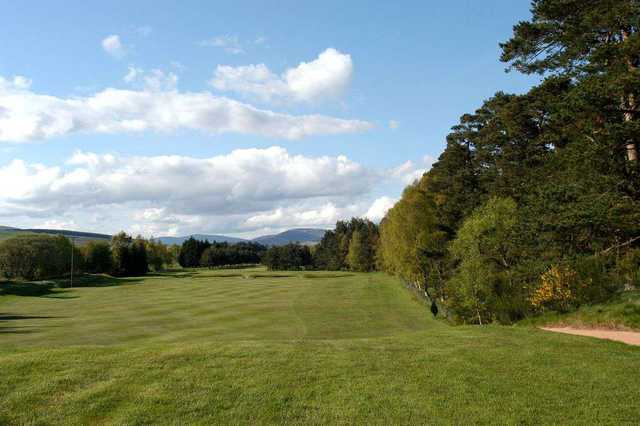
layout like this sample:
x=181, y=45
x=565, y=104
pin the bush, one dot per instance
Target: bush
x=558, y=290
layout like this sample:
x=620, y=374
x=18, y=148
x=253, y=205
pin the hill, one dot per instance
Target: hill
x=80, y=237
x=201, y=237
x=300, y=235
x=307, y=236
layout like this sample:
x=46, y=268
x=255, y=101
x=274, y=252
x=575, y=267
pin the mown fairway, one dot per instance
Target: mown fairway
x=255, y=347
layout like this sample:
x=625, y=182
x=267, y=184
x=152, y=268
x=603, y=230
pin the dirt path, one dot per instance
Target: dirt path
x=628, y=337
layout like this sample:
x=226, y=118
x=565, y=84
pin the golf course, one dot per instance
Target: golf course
x=250, y=346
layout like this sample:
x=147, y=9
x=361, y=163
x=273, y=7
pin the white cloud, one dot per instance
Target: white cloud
x=26, y=115
x=328, y=76
x=245, y=189
x=228, y=43
x=132, y=74
x=379, y=208
x=408, y=172
x=413, y=176
x=260, y=40
x=154, y=80
x=402, y=170
x=393, y=124
x=113, y=46
x=302, y=215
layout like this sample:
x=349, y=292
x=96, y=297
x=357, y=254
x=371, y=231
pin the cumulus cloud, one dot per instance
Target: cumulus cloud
x=244, y=186
x=409, y=172
x=113, y=46
x=379, y=208
x=302, y=215
x=26, y=115
x=327, y=76
x=228, y=43
x=155, y=80
x=247, y=191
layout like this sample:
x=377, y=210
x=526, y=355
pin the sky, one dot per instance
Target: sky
x=241, y=118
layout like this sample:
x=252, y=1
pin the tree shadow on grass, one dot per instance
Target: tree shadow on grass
x=172, y=274
x=33, y=289
x=59, y=288
x=19, y=329
x=97, y=280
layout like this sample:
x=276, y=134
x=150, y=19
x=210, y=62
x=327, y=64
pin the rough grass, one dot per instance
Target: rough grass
x=622, y=312
x=172, y=349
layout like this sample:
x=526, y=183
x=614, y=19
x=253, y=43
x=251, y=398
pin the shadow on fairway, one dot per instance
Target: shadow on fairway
x=33, y=289
x=271, y=276
x=98, y=280
x=19, y=329
x=173, y=274
x=59, y=288
x=320, y=276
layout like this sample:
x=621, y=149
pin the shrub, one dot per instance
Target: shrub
x=558, y=290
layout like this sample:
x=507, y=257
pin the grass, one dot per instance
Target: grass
x=622, y=312
x=199, y=347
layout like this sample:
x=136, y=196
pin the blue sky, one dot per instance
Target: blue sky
x=277, y=114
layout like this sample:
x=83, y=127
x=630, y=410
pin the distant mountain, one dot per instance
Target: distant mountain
x=79, y=236
x=308, y=236
x=201, y=237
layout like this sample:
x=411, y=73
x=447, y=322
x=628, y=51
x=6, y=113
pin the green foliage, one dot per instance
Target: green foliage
x=159, y=255
x=225, y=254
x=288, y=257
x=412, y=245
x=35, y=256
x=191, y=252
x=563, y=153
x=129, y=255
x=332, y=252
x=357, y=256
x=486, y=249
x=327, y=255
x=98, y=259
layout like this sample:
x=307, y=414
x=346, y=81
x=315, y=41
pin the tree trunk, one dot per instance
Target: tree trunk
x=630, y=105
x=632, y=149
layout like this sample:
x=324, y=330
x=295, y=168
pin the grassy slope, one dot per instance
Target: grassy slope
x=198, y=348
x=622, y=312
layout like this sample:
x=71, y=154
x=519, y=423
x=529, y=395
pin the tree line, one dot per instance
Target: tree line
x=535, y=202
x=196, y=253
x=42, y=256
x=352, y=245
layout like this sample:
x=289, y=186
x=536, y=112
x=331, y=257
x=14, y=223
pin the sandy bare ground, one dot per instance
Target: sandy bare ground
x=628, y=337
